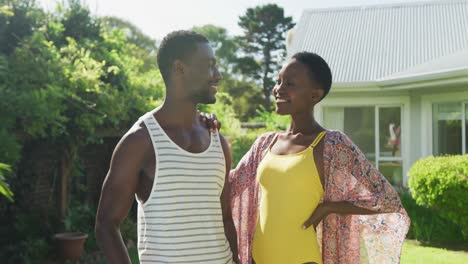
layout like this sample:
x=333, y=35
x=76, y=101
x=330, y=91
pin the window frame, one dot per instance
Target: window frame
x=427, y=114
x=379, y=102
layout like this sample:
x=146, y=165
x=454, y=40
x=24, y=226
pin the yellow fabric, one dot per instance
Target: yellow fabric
x=290, y=192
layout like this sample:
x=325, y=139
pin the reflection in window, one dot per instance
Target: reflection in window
x=447, y=128
x=390, y=131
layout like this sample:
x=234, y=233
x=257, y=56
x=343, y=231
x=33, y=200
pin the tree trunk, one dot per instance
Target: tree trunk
x=64, y=183
x=266, y=88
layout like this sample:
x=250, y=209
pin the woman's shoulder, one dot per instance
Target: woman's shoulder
x=264, y=138
x=335, y=136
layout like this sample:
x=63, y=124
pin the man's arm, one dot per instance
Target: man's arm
x=229, y=227
x=118, y=194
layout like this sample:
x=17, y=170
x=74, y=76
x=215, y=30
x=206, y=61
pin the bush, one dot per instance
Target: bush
x=80, y=218
x=240, y=145
x=272, y=120
x=225, y=114
x=427, y=225
x=128, y=229
x=441, y=183
x=24, y=240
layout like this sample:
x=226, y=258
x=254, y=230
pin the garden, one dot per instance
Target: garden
x=72, y=83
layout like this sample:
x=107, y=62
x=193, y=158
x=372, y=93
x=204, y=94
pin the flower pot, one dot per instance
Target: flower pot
x=70, y=245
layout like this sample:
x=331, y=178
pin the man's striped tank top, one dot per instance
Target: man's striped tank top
x=182, y=222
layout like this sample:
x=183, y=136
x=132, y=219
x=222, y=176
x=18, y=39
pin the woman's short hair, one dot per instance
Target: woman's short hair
x=318, y=69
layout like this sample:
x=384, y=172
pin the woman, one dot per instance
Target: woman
x=291, y=181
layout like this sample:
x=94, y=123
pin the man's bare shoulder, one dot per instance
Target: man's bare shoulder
x=136, y=139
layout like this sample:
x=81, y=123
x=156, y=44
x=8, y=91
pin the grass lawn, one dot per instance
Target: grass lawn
x=413, y=253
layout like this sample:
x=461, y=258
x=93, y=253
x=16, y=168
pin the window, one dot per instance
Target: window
x=376, y=130
x=449, y=128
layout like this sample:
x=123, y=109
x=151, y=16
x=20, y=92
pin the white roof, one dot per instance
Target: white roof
x=372, y=43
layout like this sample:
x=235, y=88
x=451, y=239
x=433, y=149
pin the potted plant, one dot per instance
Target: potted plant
x=70, y=244
x=78, y=221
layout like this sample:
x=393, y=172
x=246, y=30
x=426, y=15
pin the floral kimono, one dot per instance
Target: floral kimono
x=350, y=177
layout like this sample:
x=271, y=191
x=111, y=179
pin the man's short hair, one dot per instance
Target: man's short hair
x=318, y=69
x=177, y=45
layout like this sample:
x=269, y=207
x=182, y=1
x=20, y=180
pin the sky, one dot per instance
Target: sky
x=156, y=18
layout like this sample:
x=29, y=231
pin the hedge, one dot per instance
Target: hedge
x=441, y=183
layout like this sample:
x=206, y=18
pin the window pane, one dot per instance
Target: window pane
x=333, y=118
x=447, y=132
x=390, y=131
x=359, y=125
x=356, y=122
x=393, y=171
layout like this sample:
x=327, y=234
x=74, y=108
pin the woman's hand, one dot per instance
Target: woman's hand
x=318, y=215
x=342, y=208
x=210, y=120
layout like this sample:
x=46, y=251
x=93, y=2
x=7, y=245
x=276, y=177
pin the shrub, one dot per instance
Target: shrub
x=272, y=120
x=80, y=218
x=128, y=229
x=441, y=183
x=240, y=145
x=225, y=114
x=4, y=187
x=427, y=225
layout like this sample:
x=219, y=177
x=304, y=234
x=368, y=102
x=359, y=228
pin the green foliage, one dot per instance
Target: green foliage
x=441, y=183
x=224, y=113
x=427, y=225
x=80, y=218
x=240, y=145
x=18, y=19
x=63, y=76
x=265, y=29
x=146, y=46
x=248, y=96
x=272, y=120
x=4, y=187
x=225, y=46
x=24, y=240
x=69, y=76
x=128, y=229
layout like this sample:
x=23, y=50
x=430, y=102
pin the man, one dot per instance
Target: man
x=175, y=167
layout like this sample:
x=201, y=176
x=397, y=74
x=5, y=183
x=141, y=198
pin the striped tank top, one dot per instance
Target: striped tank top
x=182, y=222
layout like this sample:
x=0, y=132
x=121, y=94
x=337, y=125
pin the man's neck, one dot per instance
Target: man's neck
x=178, y=113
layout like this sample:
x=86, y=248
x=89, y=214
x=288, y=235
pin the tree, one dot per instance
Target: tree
x=247, y=93
x=263, y=43
x=18, y=19
x=224, y=45
x=247, y=96
x=147, y=49
x=63, y=81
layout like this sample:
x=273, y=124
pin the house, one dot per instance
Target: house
x=400, y=76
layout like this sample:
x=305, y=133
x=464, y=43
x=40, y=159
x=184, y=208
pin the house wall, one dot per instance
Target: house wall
x=416, y=113
x=416, y=129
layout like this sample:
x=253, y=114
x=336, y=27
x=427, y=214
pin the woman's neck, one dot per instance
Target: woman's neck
x=304, y=124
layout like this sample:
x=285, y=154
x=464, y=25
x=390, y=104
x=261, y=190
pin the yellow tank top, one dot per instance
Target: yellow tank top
x=290, y=192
